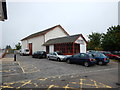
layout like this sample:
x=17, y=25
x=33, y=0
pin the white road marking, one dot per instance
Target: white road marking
x=21, y=67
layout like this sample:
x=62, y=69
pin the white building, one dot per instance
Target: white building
x=54, y=39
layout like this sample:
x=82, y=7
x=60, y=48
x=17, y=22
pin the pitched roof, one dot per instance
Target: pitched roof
x=67, y=39
x=43, y=32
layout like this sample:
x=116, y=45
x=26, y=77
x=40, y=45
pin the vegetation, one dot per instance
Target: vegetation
x=109, y=41
x=95, y=41
x=8, y=47
x=18, y=46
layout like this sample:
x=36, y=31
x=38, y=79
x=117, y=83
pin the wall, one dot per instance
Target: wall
x=24, y=44
x=57, y=32
x=37, y=43
x=82, y=44
x=51, y=48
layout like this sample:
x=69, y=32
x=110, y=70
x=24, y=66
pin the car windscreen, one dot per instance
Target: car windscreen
x=59, y=53
x=26, y=50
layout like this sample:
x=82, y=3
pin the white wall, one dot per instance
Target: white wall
x=82, y=43
x=24, y=44
x=57, y=32
x=51, y=48
x=37, y=43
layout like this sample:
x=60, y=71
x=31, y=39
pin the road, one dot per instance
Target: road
x=28, y=72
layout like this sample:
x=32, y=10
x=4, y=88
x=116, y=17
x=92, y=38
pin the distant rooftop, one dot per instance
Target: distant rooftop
x=42, y=32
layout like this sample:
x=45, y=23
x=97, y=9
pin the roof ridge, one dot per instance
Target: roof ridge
x=65, y=36
x=41, y=32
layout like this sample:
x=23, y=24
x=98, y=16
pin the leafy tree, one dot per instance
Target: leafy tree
x=18, y=46
x=8, y=47
x=95, y=41
x=111, y=40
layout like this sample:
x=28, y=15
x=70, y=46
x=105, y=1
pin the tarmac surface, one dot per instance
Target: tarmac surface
x=28, y=72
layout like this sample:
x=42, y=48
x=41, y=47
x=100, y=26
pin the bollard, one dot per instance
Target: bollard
x=14, y=57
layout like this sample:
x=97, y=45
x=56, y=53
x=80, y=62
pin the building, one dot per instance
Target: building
x=119, y=13
x=55, y=39
x=3, y=10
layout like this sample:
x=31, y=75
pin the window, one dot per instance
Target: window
x=54, y=53
x=76, y=48
x=77, y=55
x=83, y=55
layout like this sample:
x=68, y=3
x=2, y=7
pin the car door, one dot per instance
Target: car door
x=51, y=55
x=54, y=56
x=75, y=58
x=82, y=58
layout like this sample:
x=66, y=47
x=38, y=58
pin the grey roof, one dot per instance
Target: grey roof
x=42, y=32
x=67, y=39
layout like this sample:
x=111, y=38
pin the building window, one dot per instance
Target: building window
x=76, y=48
x=47, y=49
x=65, y=48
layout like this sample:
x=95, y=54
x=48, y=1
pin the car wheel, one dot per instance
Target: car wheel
x=58, y=59
x=86, y=64
x=100, y=63
x=48, y=58
x=68, y=61
x=39, y=57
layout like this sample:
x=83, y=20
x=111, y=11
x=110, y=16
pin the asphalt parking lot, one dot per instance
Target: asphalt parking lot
x=28, y=72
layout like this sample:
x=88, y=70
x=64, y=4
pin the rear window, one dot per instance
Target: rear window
x=91, y=55
x=100, y=55
x=41, y=52
x=107, y=52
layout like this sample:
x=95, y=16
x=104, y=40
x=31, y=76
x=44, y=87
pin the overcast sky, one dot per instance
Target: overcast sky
x=25, y=18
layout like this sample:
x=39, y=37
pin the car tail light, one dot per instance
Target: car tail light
x=91, y=60
x=105, y=59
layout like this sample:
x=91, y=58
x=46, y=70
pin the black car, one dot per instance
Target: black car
x=39, y=54
x=81, y=58
x=101, y=59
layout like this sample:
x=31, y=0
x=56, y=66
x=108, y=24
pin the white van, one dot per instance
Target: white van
x=24, y=52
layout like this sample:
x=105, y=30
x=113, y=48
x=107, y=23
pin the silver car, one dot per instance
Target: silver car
x=56, y=56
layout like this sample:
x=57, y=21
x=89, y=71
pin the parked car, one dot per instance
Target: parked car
x=112, y=56
x=81, y=58
x=24, y=52
x=39, y=54
x=101, y=59
x=56, y=56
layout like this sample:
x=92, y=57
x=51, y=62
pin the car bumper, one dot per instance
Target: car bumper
x=106, y=61
x=93, y=63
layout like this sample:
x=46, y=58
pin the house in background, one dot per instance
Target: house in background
x=55, y=39
x=35, y=41
x=68, y=45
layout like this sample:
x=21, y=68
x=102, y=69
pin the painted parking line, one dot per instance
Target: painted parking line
x=69, y=85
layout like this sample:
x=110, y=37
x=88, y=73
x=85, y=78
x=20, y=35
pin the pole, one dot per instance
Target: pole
x=14, y=55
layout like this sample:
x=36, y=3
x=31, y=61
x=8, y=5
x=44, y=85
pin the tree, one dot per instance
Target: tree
x=18, y=46
x=8, y=47
x=111, y=40
x=95, y=41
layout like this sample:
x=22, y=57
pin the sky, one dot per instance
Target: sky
x=25, y=18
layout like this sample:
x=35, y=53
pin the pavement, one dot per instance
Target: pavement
x=27, y=72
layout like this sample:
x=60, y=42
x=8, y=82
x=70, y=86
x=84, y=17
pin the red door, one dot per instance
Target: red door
x=30, y=48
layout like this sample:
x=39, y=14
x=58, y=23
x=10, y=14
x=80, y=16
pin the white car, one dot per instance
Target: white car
x=24, y=52
x=56, y=56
